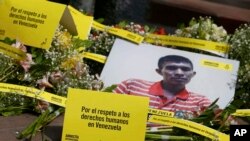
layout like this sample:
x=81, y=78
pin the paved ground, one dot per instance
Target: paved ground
x=10, y=125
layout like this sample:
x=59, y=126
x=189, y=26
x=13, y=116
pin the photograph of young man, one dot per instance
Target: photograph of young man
x=170, y=93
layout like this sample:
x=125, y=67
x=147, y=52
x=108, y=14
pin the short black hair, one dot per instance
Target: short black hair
x=173, y=58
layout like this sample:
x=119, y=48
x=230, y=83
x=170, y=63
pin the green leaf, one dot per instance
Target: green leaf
x=192, y=22
x=110, y=88
x=146, y=28
x=100, y=20
x=8, y=40
x=213, y=104
x=181, y=26
x=122, y=24
x=77, y=43
x=208, y=114
x=152, y=30
x=12, y=113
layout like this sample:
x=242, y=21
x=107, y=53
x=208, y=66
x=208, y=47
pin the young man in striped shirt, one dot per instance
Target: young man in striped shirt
x=170, y=93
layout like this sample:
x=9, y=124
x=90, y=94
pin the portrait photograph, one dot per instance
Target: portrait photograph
x=212, y=77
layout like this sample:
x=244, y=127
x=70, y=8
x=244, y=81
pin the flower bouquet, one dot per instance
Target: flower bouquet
x=52, y=70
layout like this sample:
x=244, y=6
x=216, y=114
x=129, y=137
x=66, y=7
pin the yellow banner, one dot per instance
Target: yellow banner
x=96, y=57
x=95, y=116
x=160, y=112
x=214, y=47
x=32, y=23
x=13, y=52
x=34, y=93
x=242, y=113
x=216, y=65
x=119, y=32
x=190, y=126
x=82, y=22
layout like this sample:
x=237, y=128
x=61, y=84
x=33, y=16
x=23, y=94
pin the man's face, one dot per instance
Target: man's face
x=176, y=74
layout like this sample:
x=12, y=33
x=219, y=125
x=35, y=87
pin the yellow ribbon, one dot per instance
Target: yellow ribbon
x=190, y=126
x=221, y=48
x=119, y=32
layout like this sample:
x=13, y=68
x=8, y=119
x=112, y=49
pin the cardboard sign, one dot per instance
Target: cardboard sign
x=101, y=116
x=82, y=22
x=31, y=22
x=34, y=23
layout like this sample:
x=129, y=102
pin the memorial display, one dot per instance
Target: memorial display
x=57, y=63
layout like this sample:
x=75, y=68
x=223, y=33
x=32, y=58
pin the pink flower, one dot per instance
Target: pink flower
x=42, y=105
x=20, y=46
x=55, y=77
x=44, y=83
x=26, y=64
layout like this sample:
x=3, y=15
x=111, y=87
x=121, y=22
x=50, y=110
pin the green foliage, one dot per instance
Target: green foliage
x=240, y=50
x=14, y=104
x=8, y=40
x=207, y=115
x=45, y=118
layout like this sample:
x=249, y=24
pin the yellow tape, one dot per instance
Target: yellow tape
x=242, y=113
x=96, y=57
x=216, y=65
x=191, y=126
x=12, y=51
x=119, y=32
x=34, y=93
x=160, y=112
x=220, y=48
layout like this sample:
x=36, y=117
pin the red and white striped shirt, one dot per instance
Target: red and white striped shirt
x=185, y=104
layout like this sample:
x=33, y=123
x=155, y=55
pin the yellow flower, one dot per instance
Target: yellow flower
x=71, y=62
x=64, y=39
